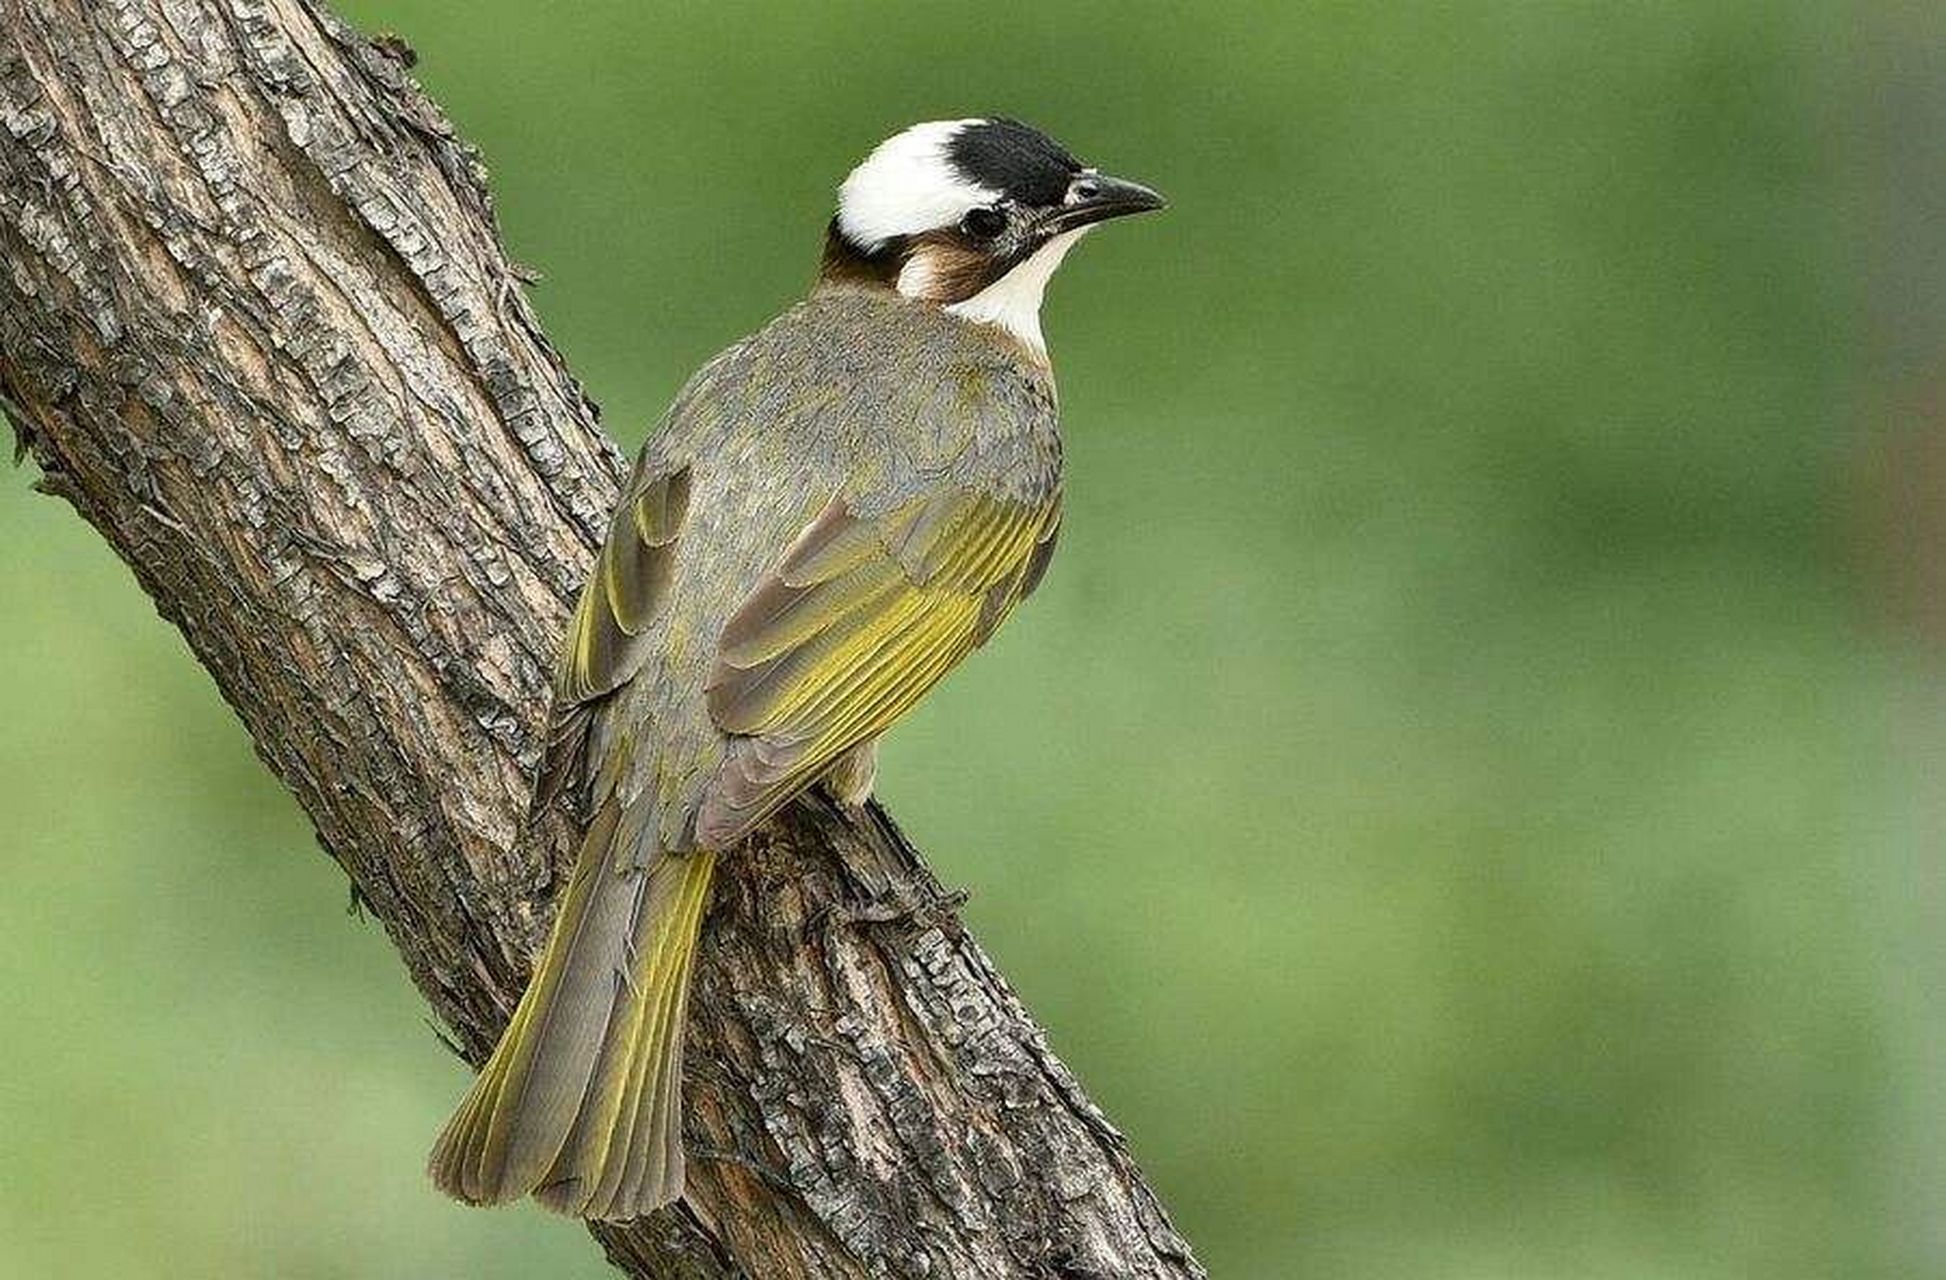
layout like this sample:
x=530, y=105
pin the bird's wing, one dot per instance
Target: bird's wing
x=630, y=585
x=861, y=617
x=627, y=590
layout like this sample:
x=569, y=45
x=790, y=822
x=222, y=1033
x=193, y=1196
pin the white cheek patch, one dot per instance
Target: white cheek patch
x=918, y=276
x=908, y=185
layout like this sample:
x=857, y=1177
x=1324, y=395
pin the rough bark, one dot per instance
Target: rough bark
x=257, y=327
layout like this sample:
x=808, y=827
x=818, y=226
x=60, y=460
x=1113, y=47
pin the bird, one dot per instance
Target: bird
x=833, y=513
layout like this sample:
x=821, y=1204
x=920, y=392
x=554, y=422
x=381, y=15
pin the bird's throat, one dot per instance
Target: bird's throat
x=1013, y=302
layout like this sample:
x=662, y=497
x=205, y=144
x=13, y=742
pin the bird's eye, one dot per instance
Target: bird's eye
x=983, y=223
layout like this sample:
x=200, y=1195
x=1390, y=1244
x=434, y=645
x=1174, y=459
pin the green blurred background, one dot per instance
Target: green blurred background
x=1464, y=800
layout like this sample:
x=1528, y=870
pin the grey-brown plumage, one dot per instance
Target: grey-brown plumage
x=842, y=446
x=833, y=514
x=907, y=465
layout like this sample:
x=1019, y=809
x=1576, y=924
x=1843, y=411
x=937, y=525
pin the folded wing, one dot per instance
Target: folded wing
x=859, y=619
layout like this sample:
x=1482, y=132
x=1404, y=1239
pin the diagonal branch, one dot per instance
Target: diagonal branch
x=257, y=327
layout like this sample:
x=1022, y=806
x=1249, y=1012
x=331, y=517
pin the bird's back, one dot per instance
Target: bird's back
x=850, y=397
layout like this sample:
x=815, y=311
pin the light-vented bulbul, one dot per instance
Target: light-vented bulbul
x=835, y=512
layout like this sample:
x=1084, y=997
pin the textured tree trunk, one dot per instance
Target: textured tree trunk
x=256, y=326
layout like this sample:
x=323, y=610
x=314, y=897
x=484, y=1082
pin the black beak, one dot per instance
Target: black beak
x=1096, y=197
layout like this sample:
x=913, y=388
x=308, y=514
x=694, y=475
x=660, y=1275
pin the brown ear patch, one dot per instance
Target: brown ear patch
x=944, y=267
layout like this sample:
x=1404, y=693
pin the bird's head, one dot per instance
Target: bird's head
x=973, y=216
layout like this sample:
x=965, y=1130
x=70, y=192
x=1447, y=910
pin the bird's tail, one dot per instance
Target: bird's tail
x=581, y=1102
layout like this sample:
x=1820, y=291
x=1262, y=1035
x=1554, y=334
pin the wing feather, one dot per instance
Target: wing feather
x=858, y=621
x=629, y=587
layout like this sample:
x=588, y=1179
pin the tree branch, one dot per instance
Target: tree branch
x=257, y=327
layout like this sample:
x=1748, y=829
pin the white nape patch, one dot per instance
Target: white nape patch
x=1014, y=300
x=908, y=185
